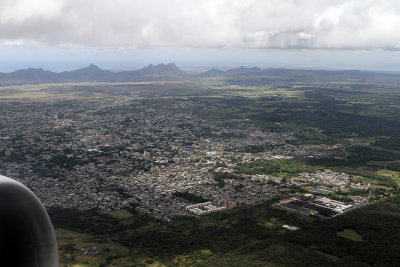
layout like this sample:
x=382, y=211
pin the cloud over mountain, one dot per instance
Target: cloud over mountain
x=283, y=24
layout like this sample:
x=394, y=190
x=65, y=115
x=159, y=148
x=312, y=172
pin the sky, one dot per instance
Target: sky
x=122, y=34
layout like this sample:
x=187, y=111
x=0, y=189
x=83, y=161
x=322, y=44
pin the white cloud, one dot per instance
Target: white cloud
x=336, y=24
x=24, y=10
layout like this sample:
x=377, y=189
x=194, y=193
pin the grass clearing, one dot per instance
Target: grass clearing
x=350, y=234
x=391, y=174
x=272, y=222
x=121, y=214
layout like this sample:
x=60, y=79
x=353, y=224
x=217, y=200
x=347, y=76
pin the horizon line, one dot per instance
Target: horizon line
x=205, y=68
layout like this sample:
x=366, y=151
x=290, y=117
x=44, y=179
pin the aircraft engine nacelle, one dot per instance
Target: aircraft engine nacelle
x=26, y=234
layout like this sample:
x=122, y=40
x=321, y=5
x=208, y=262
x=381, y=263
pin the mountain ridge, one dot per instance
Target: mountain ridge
x=91, y=73
x=170, y=71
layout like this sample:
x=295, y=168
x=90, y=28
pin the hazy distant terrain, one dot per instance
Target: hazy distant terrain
x=91, y=73
x=170, y=71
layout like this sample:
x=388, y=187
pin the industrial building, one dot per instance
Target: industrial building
x=203, y=208
x=314, y=205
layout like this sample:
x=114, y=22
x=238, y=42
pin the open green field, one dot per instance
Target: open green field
x=394, y=175
x=278, y=168
x=69, y=240
x=350, y=234
x=121, y=214
x=69, y=90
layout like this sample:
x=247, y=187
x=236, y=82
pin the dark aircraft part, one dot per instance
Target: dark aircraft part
x=26, y=234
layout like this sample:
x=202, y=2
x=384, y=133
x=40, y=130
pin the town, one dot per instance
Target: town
x=138, y=152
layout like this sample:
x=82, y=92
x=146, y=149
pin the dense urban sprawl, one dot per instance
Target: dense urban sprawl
x=116, y=153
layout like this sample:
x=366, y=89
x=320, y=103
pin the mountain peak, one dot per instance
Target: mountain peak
x=245, y=69
x=93, y=67
x=212, y=72
x=162, y=69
